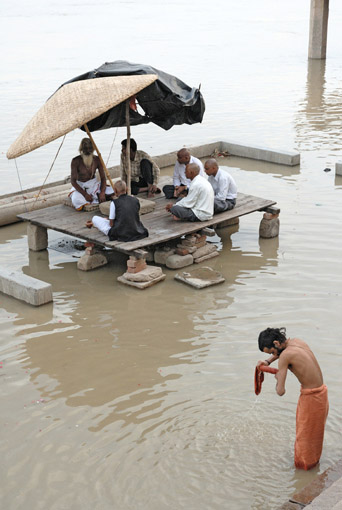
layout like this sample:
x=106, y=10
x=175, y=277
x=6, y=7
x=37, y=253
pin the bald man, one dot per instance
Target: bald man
x=198, y=205
x=223, y=185
x=124, y=222
x=181, y=183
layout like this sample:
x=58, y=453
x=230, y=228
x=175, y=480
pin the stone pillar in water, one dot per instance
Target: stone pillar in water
x=319, y=14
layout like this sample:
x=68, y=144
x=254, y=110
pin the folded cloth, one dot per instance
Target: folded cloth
x=259, y=376
x=312, y=412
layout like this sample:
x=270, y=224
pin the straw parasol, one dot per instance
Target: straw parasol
x=75, y=104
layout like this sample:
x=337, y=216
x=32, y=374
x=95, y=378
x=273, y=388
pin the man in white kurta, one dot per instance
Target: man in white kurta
x=198, y=205
x=181, y=183
x=224, y=186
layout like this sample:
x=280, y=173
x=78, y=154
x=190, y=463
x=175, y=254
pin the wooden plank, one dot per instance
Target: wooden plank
x=161, y=226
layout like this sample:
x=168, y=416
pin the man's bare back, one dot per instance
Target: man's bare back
x=298, y=357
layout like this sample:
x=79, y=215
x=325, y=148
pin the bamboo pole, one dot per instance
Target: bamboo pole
x=128, y=149
x=99, y=155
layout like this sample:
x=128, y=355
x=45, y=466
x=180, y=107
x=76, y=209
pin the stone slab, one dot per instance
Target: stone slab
x=338, y=168
x=201, y=277
x=330, y=499
x=207, y=257
x=204, y=250
x=141, y=285
x=281, y=157
x=24, y=287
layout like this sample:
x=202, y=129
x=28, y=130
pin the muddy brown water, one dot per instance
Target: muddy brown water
x=114, y=398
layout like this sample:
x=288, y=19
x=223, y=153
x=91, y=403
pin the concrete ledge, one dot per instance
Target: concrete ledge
x=23, y=287
x=338, y=168
x=262, y=153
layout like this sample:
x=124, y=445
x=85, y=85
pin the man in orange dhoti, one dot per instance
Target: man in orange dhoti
x=313, y=406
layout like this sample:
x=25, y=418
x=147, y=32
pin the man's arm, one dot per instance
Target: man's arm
x=223, y=189
x=281, y=374
x=191, y=199
x=176, y=176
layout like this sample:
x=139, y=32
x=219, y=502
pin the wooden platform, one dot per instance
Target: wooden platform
x=161, y=226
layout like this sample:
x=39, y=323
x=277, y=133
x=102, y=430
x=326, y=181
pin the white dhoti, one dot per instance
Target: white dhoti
x=92, y=187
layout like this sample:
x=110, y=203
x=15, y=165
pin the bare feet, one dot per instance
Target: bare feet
x=175, y=218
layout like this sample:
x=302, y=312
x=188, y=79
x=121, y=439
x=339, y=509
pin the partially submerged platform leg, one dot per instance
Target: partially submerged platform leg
x=269, y=225
x=139, y=274
x=91, y=259
x=37, y=237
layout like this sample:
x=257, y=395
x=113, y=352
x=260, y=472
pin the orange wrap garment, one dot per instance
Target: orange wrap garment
x=312, y=412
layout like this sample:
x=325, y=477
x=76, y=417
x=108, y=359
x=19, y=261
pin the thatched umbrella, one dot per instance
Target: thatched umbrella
x=73, y=106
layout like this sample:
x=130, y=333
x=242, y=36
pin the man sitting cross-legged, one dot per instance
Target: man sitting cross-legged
x=223, y=185
x=86, y=189
x=198, y=205
x=124, y=222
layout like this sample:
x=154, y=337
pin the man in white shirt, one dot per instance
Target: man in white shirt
x=181, y=183
x=223, y=185
x=198, y=205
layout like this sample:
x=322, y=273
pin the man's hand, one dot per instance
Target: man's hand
x=88, y=197
x=153, y=188
x=168, y=207
x=179, y=191
x=262, y=362
x=102, y=196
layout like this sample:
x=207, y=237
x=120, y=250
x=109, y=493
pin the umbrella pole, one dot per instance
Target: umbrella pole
x=99, y=154
x=128, y=149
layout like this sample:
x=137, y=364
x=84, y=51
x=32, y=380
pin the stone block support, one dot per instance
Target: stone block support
x=319, y=14
x=91, y=259
x=269, y=226
x=37, y=237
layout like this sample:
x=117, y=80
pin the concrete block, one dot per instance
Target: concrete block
x=280, y=157
x=37, y=237
x=207, y=257
x=89, y=262
x=204, y=250
x=25, y=288
x=269, y=228
x=178, y=261
x=338, y=168
x=161, y=254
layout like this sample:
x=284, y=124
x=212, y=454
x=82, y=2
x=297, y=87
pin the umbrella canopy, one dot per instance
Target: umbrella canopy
x=167, y=102
x=75, y=104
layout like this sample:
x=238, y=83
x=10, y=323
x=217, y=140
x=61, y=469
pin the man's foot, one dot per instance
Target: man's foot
x=175, y=218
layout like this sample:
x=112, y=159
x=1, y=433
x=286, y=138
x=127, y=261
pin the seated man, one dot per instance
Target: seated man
x=144, y=171
x=181, y=184
x=86, y=189
x=124, y=222
x=198, y=205
x=223, y=185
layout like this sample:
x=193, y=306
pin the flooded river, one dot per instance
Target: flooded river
x=114, y=398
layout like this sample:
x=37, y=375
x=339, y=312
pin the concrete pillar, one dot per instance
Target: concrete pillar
x=319, y=14
x=269, y=226
x=37, y=237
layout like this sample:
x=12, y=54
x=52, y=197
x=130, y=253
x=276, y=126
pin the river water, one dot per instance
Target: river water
x=118, y=399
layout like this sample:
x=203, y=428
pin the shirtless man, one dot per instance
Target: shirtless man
x=86, y=189
x=312, y=408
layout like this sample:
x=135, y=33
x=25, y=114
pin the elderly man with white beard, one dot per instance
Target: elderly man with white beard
x=86, y=189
